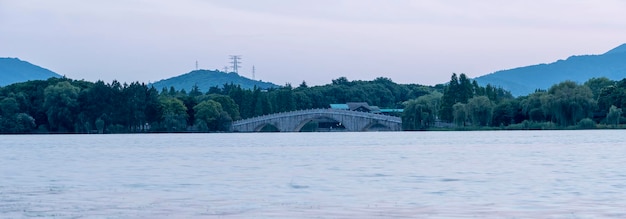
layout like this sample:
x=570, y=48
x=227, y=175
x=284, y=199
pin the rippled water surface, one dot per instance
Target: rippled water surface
x=525, y=174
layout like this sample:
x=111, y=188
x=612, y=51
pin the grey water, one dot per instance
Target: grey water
x=485, y=174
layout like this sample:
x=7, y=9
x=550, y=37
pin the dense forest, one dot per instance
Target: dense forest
x=62, y=105
x=567, y=105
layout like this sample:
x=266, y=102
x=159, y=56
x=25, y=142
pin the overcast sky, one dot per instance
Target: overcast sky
x=290, y=41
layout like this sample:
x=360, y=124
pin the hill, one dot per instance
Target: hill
x=14, y=70
x=525, y=80
x=205, y=79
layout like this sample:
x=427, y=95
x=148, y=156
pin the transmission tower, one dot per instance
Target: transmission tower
x=196, y=65
x=225, y=69
x=253, y=72
x=235, y=62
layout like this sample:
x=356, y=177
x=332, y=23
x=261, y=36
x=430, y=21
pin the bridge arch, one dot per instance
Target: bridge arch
x=266, y=127
x=376, y=126
x=324, y=122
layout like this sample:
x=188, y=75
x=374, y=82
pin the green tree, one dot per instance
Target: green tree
x=532, y=108
x=449, y=98
x=61, y=106
x=480, y=110
x=597, y=84
x=24, y=123
x=285, y=100
x=341, y=81
x=506, y=113
x=153, y=110
x=586, y=123
x=100, y=125
x=478, y=90
x=195, y=91
x=613, y=96
x=8, y=106
x=460, y=114
x=613, y=116
x=569, y=102
x=97, y=102
x=303, y=85
x=174, y=114
x=417, y=115
x=421, y=113
x=228, y=105
x=11, y=120
x=264, y=105
x=135, y=101
x=465, y=89
x=302, y=100
x=207, y=114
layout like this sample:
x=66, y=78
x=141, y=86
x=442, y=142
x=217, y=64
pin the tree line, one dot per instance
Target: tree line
x=62, y=105
x=567, y=105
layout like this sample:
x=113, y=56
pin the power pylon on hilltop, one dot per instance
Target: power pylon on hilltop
x=235, y=63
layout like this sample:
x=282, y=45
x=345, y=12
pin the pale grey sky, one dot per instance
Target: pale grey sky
x=409, y=41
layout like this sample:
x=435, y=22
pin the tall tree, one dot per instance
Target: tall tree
x=228, y=105
x=465, y=89
x=174, y=115
x=449, y=98
x=207, y=114
x=597, y=84
x=532, y=108
x=507, y=112
x=613, y=96
x=421, y=113
x=11, y=120
x=480, y=110
x=460, y=114
x=285, y=100
x=614, y=115
x=61, y=106
x=570, y=102
x=341, y=81
x=135, y=101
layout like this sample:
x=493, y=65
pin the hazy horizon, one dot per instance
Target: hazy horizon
x=419, y=41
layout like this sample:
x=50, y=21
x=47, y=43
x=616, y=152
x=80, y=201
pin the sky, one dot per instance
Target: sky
x=290, y=41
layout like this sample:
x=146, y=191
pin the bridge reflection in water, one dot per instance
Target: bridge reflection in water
x=319, y=120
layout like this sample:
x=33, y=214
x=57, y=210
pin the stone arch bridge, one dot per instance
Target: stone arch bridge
x=294, y=121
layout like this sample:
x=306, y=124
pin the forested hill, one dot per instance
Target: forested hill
x=525, y=80
x=13, y=70
x=206, y=79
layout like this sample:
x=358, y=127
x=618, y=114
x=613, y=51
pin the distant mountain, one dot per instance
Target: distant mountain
x=14, y=70
x=525, y=80
x=206, y=79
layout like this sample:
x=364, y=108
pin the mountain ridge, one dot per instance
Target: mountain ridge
x=14, y=70
x=619, y=49
x=578, y=68
x=206, y=79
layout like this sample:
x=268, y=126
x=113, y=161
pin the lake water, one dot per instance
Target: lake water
x=501, y=174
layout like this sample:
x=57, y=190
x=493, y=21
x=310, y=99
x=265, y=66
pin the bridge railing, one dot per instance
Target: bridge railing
x=317, y=111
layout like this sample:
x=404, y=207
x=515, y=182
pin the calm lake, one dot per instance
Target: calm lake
x=485, y=174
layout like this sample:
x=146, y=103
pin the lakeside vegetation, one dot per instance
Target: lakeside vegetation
x=597, y=103
x=62, y=105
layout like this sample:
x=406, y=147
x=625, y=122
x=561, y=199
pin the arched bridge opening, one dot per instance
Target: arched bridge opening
x=266, y=128
x=375, y=126
x=320, y=124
